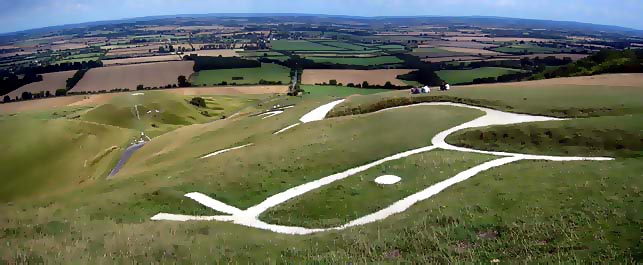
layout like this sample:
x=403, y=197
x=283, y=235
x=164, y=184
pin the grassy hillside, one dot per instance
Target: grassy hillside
x=554, y=97
x=44, y=156
x=174, y=111
x=528, y=211
x=467, y=76
x=605, y=61
x=340, y=91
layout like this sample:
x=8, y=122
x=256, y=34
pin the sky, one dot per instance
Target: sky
x=18, y=15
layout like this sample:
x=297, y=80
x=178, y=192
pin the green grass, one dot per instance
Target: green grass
x=467, y=76
x=558, y=100
x=268, y=72
x=339, y=91
x=619, y=136
x=301, y=45
x=434, y=52
x=524, y=212
x=174, y=111
x=45, y=156
x=359, y=195
x=345, y=45
x=381, y=60
x=529, y=48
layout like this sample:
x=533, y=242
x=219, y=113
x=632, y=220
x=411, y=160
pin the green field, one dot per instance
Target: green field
x=301, y=45
x=367, y=61
x=434, y=52
x=529, y=48
x=242, y=76
x=57, y=206
x=467, y=76
x=340, y=91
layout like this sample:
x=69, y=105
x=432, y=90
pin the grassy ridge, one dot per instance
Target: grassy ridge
x=550, y=100
x=53, y=155
x=340, y=91
x=620, y=136
x=467, y=76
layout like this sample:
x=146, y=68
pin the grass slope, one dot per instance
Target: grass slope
x=552, y=98
x=467, y=76
x=44, y=156
x=267, y=72
x=340, y=91
x=359, y=195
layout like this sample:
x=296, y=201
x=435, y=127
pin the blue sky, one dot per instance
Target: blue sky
x=26, y=14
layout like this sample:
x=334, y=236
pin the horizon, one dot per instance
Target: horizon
x=52, y=13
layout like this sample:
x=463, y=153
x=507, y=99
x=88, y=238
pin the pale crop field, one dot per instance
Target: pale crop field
x=129, y=76
x=50, y=82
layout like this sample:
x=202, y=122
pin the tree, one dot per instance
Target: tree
x=26, y=95
x=61, y=92
x=6, y=99
x=183, y=81
x=365, y=84
x=140, y=87
x=198, y=101
x=388, y=85
x=332, y=82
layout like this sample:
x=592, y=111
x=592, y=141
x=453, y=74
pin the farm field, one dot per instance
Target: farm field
x=471, y=51
x=467, y=76
x=146, y=59
x=50, y=82
x=529, y=48
x=436, y=52
x=368, y=61
x=374, y=77
x=216, y=53
x=242, y=76
x=340, y=91
x=301, y=45
x=129, y=76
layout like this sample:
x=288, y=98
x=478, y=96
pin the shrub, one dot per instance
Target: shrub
x=198, y=101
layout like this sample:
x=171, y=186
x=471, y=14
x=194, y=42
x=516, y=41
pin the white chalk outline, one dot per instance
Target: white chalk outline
x=249, y=217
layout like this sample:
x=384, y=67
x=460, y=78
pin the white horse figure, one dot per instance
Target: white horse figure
x=249, y=217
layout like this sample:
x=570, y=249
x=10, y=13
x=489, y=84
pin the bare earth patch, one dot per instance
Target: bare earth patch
x=377, y=77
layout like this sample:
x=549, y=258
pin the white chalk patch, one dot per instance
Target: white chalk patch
x=249, y=217
x=224, y=150
x=271, y=114
x=320, y=112
x=138, y=94
x=284, y=129
x=387, y=179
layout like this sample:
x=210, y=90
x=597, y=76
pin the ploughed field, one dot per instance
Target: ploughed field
x=157, y=74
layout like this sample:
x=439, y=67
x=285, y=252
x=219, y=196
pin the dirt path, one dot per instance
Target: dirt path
x=249, y=217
